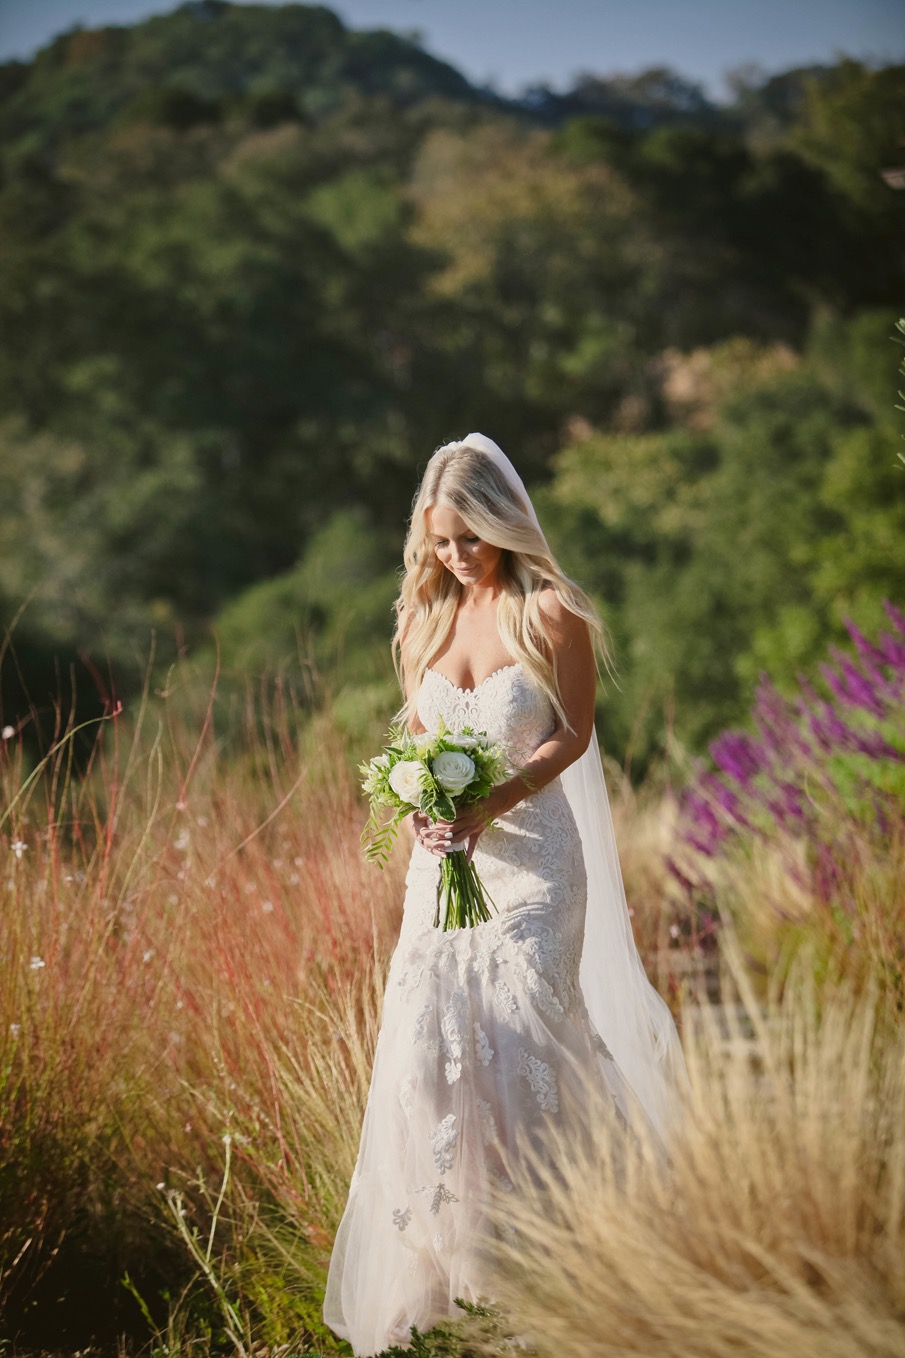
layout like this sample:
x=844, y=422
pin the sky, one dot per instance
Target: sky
x=513, y=44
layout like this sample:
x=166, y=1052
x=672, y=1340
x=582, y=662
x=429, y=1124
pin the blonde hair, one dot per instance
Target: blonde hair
x=464, y=479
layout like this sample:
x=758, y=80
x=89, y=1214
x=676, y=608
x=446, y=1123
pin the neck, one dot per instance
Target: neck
x=481, y=595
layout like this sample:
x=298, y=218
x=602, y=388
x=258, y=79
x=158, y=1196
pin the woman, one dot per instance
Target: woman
x=496, y=1035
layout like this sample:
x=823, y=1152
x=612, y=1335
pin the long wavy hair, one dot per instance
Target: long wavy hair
x=462, y=478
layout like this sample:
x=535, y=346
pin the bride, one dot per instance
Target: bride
x=493, y=1036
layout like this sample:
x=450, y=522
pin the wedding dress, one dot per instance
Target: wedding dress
x=486, y=1044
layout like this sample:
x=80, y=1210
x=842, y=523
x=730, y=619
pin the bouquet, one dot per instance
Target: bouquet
x=436, y=774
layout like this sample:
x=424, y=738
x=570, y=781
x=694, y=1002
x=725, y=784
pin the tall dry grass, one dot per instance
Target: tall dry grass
x=192, y=955
x=776, y=1229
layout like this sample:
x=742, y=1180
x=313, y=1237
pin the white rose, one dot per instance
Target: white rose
x=453, y=771
x=405, y=780
x=467, y=742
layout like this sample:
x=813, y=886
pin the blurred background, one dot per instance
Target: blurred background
x=258, y=260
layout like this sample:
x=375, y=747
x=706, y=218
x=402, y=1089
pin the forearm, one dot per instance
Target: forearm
x=547, y=762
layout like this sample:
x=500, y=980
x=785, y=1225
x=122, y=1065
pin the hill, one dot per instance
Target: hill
x=254, y=266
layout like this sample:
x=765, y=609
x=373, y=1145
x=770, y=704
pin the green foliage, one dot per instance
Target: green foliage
x=334, y=606
x=255, y=266
x=721, y=552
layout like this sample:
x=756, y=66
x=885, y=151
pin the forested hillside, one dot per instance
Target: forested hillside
x=255, y=266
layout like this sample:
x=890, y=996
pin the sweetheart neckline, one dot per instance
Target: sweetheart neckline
x=517, y=664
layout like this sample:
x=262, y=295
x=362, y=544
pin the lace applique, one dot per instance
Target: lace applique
x=401, y=1218
x=410, y=979
x=504, y=1000
x=540, y=1078
x=542, y=994
x=452, y=1027
x=600, y=1046
x=538, y=944
x=487, y=1122
x=443, y=1139
x=484, y=958
x=482, y=1048
x=438, y=1197
x=420, y=1029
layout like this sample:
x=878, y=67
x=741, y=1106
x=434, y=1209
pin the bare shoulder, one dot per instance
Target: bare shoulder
x=564, y=628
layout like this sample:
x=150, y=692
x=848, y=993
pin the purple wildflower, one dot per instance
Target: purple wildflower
x=738, y=755
x=870, y=654
x=896, y=617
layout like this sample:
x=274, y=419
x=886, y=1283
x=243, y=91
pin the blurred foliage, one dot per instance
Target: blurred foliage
x=254, y=266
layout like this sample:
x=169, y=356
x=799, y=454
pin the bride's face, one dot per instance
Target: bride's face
x=471, y=560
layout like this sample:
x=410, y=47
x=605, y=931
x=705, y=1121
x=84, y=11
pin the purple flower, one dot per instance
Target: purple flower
x=895, y=616
x=870, y=654
x=738, y=755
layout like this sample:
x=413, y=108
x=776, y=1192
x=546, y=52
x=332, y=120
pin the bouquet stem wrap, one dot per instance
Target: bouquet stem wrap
x=462, y=901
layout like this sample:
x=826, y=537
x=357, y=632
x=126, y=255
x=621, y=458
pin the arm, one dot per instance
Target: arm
x=570, y=638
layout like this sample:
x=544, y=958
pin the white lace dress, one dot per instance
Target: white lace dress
x=485, y=1040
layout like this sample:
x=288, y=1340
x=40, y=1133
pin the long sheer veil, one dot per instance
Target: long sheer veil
x=633, y=1020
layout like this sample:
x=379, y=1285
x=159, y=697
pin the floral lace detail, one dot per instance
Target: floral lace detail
x=439, y=1197
x=419, y=1032
x=487, y=1122
x=452, y=1028
x=541, y=1080
x=542, y=994
x=401, y=1218
x=600, y=1046
x=443, y=1139
x=482, y=1048
x=504, y=1000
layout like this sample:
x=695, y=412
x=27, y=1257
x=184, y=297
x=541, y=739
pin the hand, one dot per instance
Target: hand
x=470, y=823
x=434, y=838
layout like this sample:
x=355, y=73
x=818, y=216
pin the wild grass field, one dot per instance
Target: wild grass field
x=192, y=956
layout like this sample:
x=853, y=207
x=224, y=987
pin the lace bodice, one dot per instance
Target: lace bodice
x=507, y=705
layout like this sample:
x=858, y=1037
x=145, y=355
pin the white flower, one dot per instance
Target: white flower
x=8, y=732
x=15, y=1029
x=406, y=779
x=18, y=847
x=37, y=963
x=453, y=771
x=380, y=761
x=467, y=742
